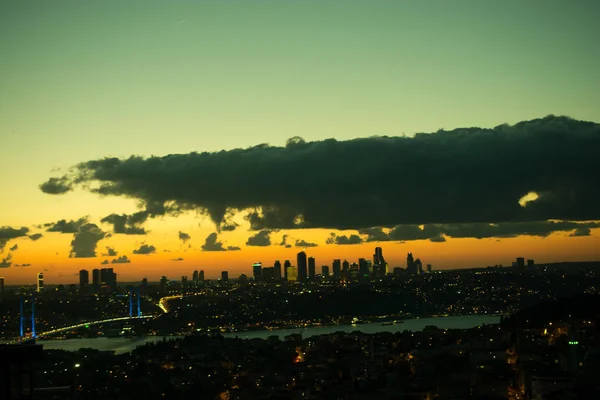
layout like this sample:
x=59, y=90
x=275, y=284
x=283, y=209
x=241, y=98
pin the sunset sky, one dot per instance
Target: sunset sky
x=84, y=86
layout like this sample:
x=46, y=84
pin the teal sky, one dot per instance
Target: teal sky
x=86, y=79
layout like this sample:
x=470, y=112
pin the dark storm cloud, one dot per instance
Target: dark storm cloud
x=304, y=243
x=121, y=260
x=64, y=226
x=581, y=232
x=127, y=224
x=212, y=243
x=35, y=236
x=7, y=233
x=85, y=241
x=437, y=239
x=343, y=239
x=56, y=185
x=5, y=263
x=261, y=239
x=184, y=237
x=145, y=249
x=15, y=247
x=110, y=252
x=462, y=176
x=233, y=248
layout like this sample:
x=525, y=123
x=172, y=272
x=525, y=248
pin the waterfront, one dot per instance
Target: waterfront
x=123, y=345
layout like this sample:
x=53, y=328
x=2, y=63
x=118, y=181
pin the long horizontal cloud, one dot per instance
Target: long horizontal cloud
x=64, y=226
x=437, y=232
x=462, y=176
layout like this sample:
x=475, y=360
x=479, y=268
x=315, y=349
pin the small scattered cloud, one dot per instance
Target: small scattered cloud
x=56, y=185
x=304, y=243
x=145, y=249
x=177, y=259
x=6, y=261
x=233, y=248
x=127, y=224
x=184, y=237
x=261, y=239
x=15, y=247
x=212, y=243
x=284, y=242
x=105, y=262
x=121, y=260
x=110, y=252
x=35, y=236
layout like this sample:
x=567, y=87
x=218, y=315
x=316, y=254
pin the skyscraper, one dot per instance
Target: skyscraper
x=96, y=278
x=84, y=278
x=302, y=266
x=224, y=276
x=201, y=276
x=257, y=271
x=184, y=282
x=311, y=268
x=429, y=269
x=277, y=270
x=325, y=271
x=520, y=262
x=363, y=268
x=1, y=285
x=195, y=278
x=411, y=267
x=419, y=265
x=286, y=265
x=337, y=268
x=40, y=281
x=108, y=278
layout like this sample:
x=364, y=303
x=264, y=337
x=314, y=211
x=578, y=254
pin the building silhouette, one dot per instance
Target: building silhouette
x=84, y=278
x=337, y=269
x=201, y=276
x=302, y=266
x=1, y=285
x=224, y=276
x=325, y=271
x=195, y=278
x=411, y=267
x=311, y=268
x=286, y=265
x=96, y=279
x=277, y=270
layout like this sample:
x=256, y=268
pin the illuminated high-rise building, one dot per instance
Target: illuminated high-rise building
x=277, y=270
x=325, y=271
x=40, y=281
x=286, y=265
x=292, y=274
x=337, y=268
x=84, y=278
x=312, y=268
x=257, y=271
x=302, y=266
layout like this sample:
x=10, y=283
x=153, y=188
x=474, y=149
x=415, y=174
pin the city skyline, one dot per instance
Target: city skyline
x=122, y=128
